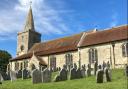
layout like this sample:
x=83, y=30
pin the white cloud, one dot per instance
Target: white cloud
x=114, y=21
x=47, y=19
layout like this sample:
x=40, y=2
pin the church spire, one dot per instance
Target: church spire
x=29, y=25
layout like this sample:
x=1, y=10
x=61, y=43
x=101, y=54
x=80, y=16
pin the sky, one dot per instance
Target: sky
x=58, y=18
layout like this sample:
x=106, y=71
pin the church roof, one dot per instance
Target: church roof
x=105, y=36
x=70, y=43
x=54, y=46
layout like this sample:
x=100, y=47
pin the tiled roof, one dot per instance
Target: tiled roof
x=104, y=36
x=70, y=43
x=54, y=46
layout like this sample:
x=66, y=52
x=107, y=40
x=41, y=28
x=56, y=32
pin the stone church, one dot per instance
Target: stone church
x=107, y=45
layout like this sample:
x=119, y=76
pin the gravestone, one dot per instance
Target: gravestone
x=24, y=74
x=99, y=75
x=13, y=75
x=63, y=74
x=108, y=65
x=83, y=70
x=59, y=68
x=1, y=78
x=4, y=75
x=8, y=75
x=107, y=75
x=73, y=72
x=95, y=67
x=126, y=70
x=46, y=75
x=79, y=73
x=19, y=74
x=103, y=65
x=88, y=72
x=36, y=76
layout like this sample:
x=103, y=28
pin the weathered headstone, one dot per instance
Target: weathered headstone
x=95, y=67
x=4, y=75
x=73, y=72
x=13, y=75
x=1, y=78
x=46, y=75
x=88, y=72
x=107, y=75
x=108, y=65
x=79, y=73
x=19, y=74
x=63, y=74
x=83, y=70
x=99, y=75
x=24, y=74
x=8, y=75
x=126, y=70
x=36, y=76
x=103, y=65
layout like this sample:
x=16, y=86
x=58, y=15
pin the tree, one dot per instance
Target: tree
x=4, y=60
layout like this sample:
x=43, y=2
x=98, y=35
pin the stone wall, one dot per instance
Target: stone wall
x=105, y=52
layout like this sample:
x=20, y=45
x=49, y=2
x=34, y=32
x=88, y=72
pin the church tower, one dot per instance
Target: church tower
x=28, y=37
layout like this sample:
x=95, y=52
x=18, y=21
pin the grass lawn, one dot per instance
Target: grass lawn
x=118, y=82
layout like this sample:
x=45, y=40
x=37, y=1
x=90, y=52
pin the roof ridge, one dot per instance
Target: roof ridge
x=62, y=37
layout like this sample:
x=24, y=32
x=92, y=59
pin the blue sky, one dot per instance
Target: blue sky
x=58, y=18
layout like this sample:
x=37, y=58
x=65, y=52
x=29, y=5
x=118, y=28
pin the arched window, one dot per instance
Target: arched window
x=16, y=66
x=125, y=50
x=25, y=64
x=21, y=66
x=93, y=55
x=53, y=62
x=68, y=59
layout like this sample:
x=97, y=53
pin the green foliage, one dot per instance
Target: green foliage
x=4, y=59
x=118, y=82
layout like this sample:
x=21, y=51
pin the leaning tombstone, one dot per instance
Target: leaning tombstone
x=19, y=74
x=99, y=75
x=24, y=74
x=13, y=75
x=46, y=75
x=95, y=68
x=36, y=76
x=88, y=72
x=107, y=75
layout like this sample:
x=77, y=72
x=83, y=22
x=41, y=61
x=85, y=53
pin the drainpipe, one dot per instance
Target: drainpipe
x=113, y=48
x=79, y=57
x=110, y=56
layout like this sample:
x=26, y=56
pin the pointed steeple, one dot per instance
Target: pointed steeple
x=29, y=25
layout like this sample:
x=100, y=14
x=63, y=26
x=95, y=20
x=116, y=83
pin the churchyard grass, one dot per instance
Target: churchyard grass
x=118, y=82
